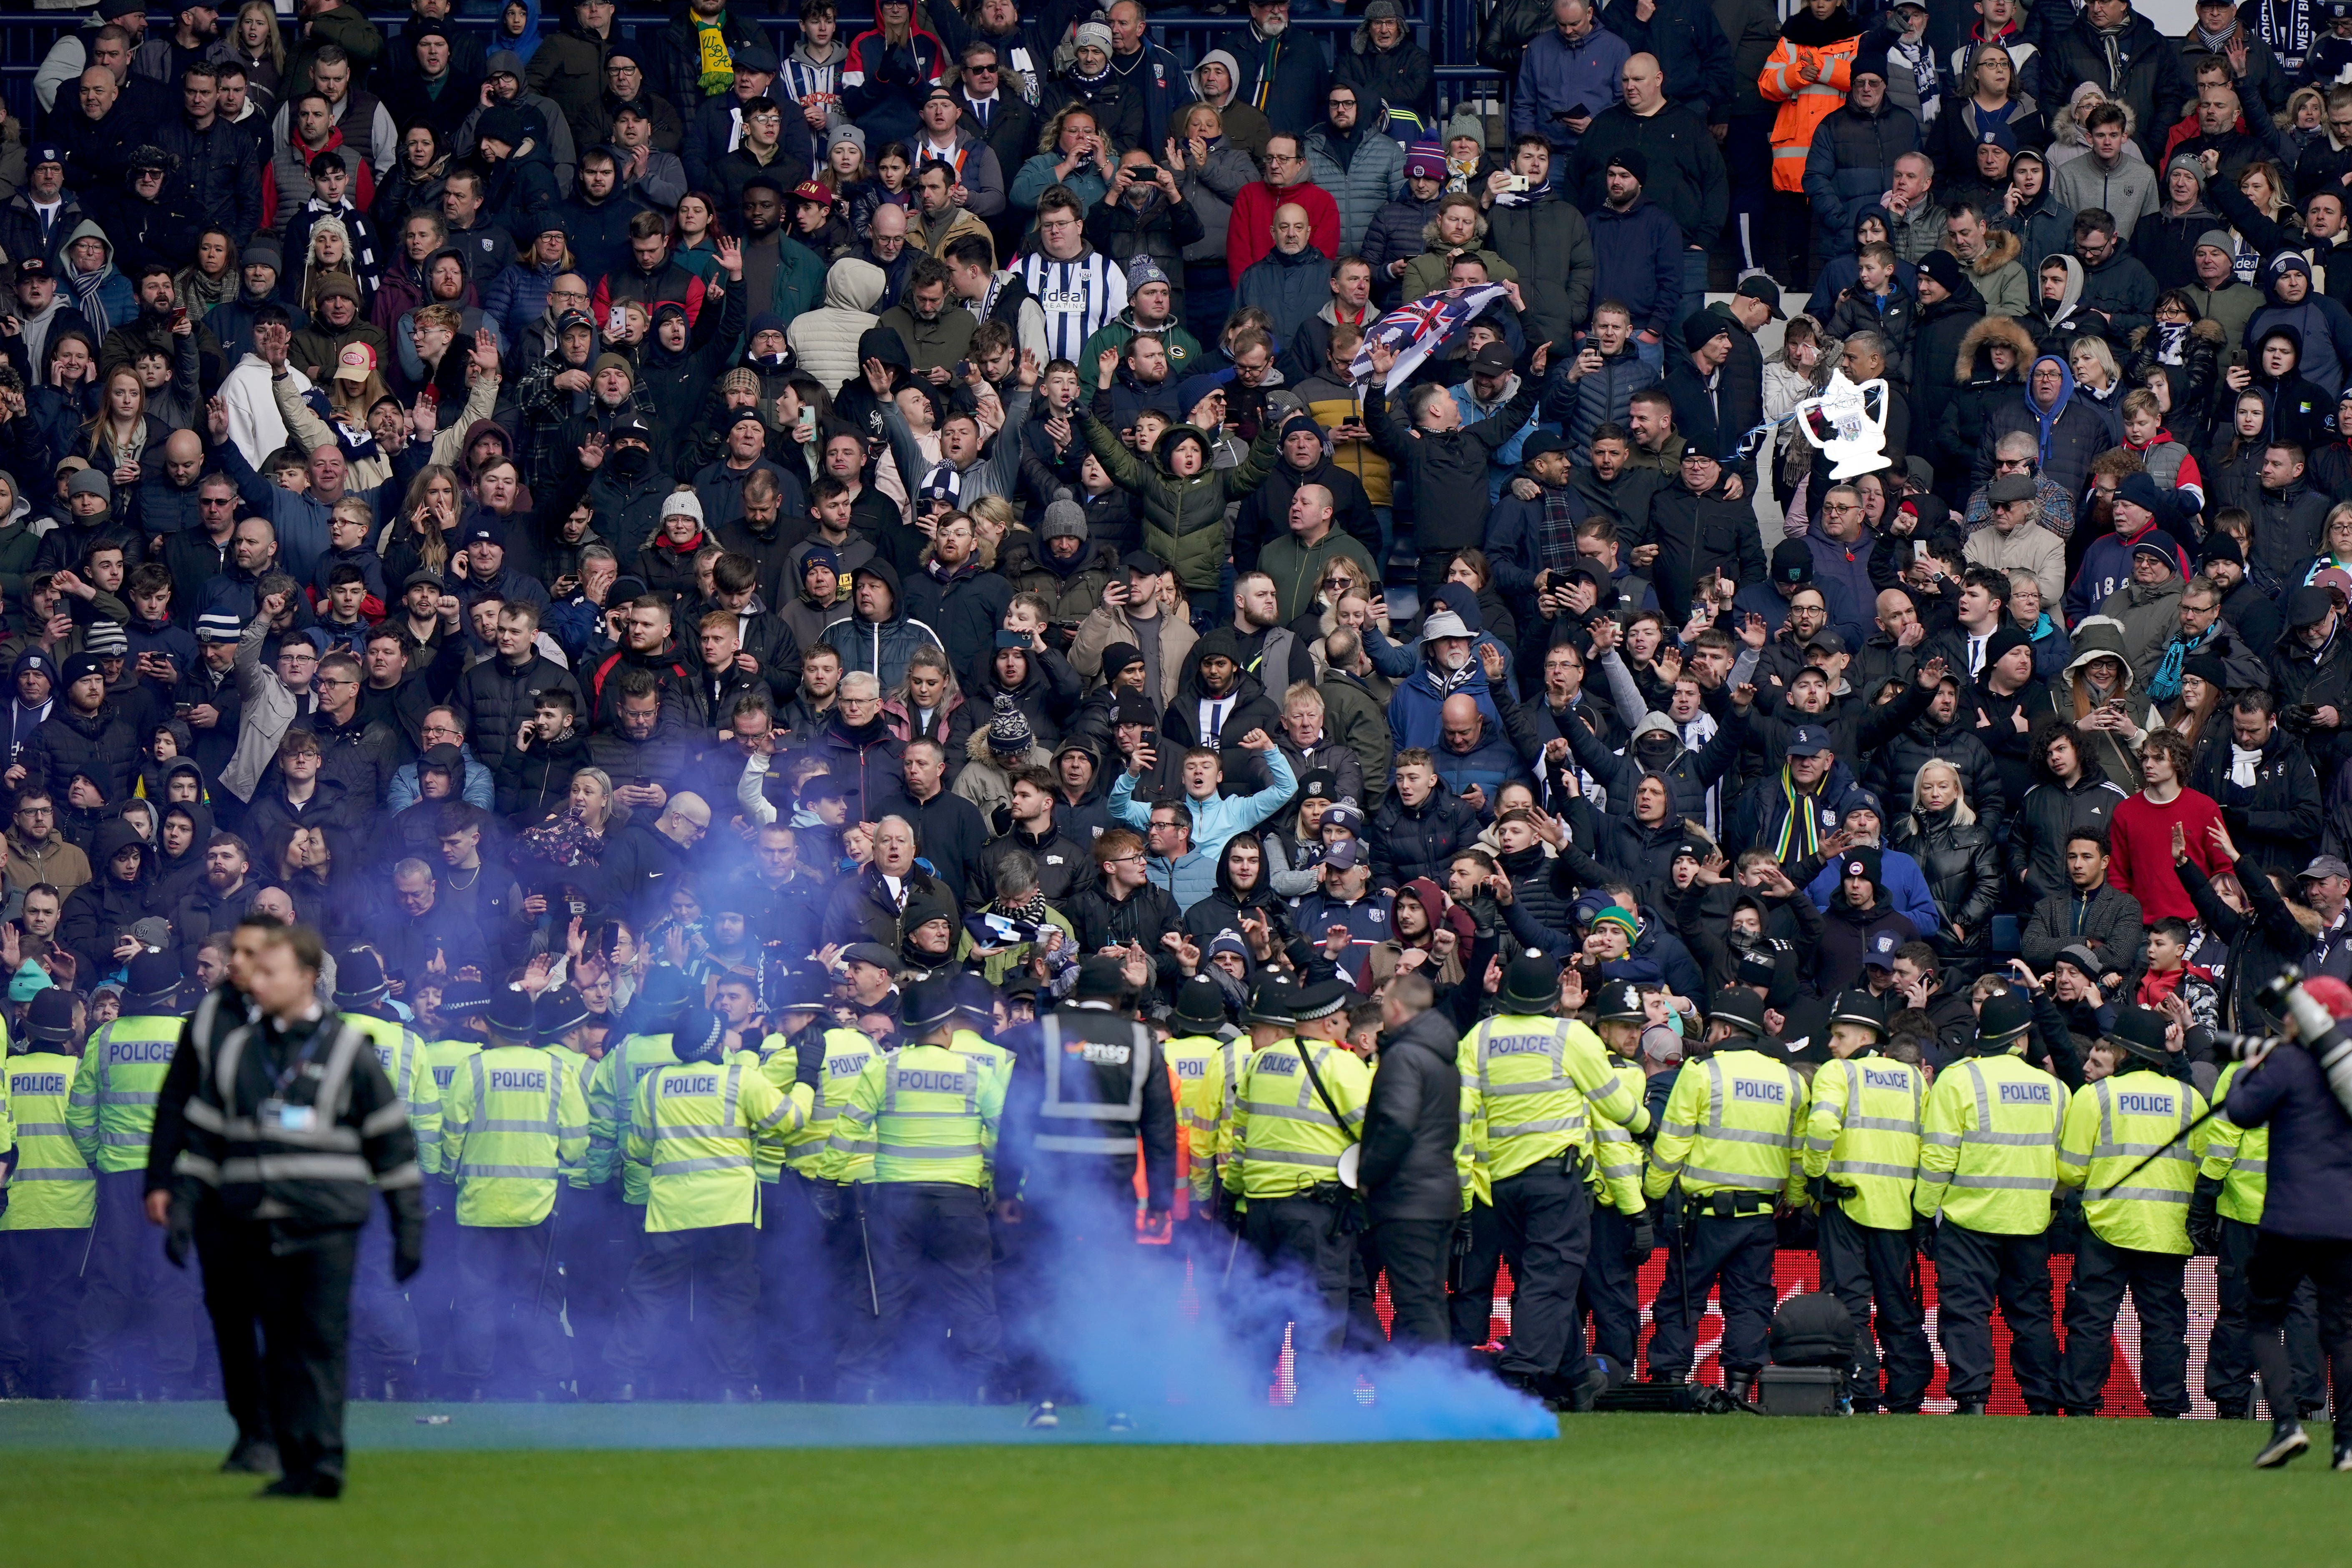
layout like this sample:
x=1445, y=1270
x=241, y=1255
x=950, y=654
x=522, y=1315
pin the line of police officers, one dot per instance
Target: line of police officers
x=904, y=1216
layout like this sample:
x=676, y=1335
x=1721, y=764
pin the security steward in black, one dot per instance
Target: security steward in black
x=289, y=1134
x=223, y=1009
x=1089, y=1084
x=1412, y=1189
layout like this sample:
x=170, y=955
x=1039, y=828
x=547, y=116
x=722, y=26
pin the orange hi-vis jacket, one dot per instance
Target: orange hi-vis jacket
x=1803, y=104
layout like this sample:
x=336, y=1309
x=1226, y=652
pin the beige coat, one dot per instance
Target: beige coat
x=1108, y=624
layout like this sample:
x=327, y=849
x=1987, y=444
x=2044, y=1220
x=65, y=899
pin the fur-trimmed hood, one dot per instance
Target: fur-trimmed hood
x=2001, y=248
x=1992, y=330
x=2065, y=128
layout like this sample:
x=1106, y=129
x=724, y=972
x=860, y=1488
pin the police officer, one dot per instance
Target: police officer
x=694, y=1125
x=1093, y=1090
x=1989, y=1168
x=432, y=1293
x=811, y=1263
x=510, y=1122
x=2225, y=1217
x=129, y=1293
x=927, y=1117
x=2134, y=1235
x=1300, y=1109
x=612, y=1229
x=51, y=1200
x=1860, y=1156
x=385, y=1338
x=1207, y=1067
x=1533, y=1083
x=1623, y=1236
x=290, y=1136
x=1729, y=1142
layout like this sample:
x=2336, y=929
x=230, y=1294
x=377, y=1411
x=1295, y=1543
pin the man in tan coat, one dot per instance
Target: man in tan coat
x=1145, y=612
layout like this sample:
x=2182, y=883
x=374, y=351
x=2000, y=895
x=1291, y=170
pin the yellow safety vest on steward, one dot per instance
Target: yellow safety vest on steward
x=1732, y=1125
x=1989, y=1146
x=695, y=1128
x=1863, y=1131
x=2111, y=1126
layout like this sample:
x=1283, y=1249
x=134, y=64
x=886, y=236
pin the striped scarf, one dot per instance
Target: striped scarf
x=1799, y=809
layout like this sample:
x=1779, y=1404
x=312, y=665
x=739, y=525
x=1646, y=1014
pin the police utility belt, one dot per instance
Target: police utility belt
x=1726, y=1205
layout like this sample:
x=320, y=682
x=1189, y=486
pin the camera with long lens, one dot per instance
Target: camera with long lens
x=2317, y=1030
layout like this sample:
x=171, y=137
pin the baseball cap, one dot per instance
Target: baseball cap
x=1764, y=292
x=1881, y=954
x=1809, y=741
x=2325, y=866
x=1826, y=641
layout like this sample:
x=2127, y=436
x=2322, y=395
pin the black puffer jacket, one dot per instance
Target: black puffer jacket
x=101, y=747
x=494, y=699
x=1962, y=866
x=100, y=912
x=2051, y=810
x=1899, y=763
x=1411, y=1122
x=536, y=781
x=1420, y=841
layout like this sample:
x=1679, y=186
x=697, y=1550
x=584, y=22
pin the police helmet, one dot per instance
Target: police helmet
x=805, y=991
x=1320, y=1000
x=1200, y=1006
x=2002, y=1022
x=359, y=978
x=51, y=1017
x=1621, y=1002
x=698, y=1036
x=1740, y=1008
x=509, y=1013
x=559, y=1010
x=1860, y=1008
x=2139, y=1032
x=1101, y=978
x=1271, y=1003
x=1531, y=984
x=926, y=1005
x=153, y=984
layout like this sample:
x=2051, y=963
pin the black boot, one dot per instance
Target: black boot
x=2287, y=1440
x=1740, y=1386
x=254, y=1456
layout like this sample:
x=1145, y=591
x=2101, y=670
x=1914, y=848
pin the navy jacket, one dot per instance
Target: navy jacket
x=2310, y=1192
x=1638, y=258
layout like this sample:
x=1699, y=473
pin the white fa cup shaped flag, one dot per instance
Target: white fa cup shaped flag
x=1848, y=423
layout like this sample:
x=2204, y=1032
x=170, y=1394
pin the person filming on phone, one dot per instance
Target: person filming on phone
x=1568, y=76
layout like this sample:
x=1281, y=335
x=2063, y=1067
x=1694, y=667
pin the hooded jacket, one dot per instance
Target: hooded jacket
x=1183, y=516
x=1829, y=46
x=1410, y=1124
x=2067, y=436
x=825, y=341
x=881, y=647
x=101, y=911
x=1851, y=164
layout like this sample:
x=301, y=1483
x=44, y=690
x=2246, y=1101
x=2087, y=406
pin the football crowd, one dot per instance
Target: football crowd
x=823, y=547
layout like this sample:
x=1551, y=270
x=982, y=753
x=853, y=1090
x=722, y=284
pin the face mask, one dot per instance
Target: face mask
x=770, y=362
x=631, y=462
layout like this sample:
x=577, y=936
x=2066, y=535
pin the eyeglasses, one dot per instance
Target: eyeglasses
x=1127, y=860
x=337, y=680
x=988, y=69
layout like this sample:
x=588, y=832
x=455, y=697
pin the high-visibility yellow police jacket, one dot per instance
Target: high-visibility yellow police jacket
x=1863, y=1131
x=2238, y=1157
x=1989, y=1146
x=2111, y=1126
x=409, y=1066
x=113, y=1106
x=1732, y=1125
x=512, y=1120
x=54, y=1187
x=695, y=1127
x=1284, y=1139
x=1534, y=1085
x=924, y=1114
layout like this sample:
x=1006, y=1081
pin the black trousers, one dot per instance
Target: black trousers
x=1860, y=1265
x=385, y=1341
x=299, y=1294
x=1545, y=1214
x=928, y=1239
x=1470, y=1311
x=697, y=1286
x=2279, y=1265
x=798, y=1333
x=1415, y=1252
x=40, y=1302
x=1609, y=1294
x=506, y=1284
x=1736, y=1252
x=597, y=1245
x=2229, y=1351
x=2102, y=1272
x=1310, y=1255
x=138, y=1318
x=1975, y=1269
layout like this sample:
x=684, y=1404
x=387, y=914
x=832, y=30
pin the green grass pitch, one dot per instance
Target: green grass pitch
x=123, y=1486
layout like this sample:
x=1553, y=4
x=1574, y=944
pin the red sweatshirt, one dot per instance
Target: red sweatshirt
x=2139, y=843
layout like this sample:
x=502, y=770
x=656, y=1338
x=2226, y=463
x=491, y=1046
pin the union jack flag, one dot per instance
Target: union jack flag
x=1415, y=331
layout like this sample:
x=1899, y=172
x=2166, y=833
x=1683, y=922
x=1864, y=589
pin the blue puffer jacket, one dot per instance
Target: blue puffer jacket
x=1414, y=711
x=1373, y=175
x=1852, y=165
x=1637, y=259
x=1579, y=407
